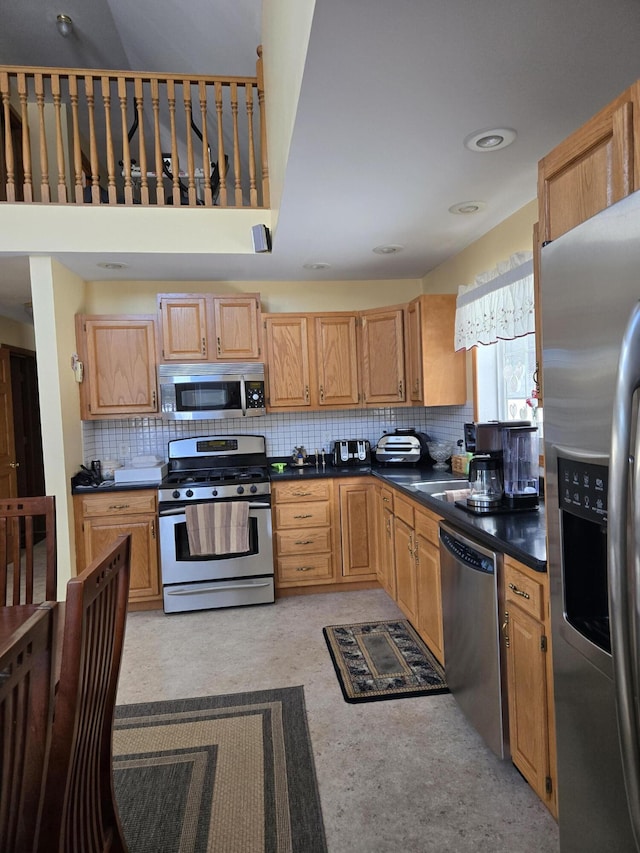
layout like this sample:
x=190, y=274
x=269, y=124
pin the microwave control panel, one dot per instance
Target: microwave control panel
x=255, y=394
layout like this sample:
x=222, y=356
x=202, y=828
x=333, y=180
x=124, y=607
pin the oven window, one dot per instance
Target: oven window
x=207, y=396
x=182, y=545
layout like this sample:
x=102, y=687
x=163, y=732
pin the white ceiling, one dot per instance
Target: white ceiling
x=389, y=93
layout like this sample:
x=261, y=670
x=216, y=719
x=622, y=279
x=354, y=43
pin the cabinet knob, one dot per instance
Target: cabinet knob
x=304, y=568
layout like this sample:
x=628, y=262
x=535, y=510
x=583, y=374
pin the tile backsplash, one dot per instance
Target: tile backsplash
x=122, y=440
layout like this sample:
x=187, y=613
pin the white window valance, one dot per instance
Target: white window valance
x=499, y=305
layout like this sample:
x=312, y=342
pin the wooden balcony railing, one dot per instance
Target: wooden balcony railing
x=115, y=137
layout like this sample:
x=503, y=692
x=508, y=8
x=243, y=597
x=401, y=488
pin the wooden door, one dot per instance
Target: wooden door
x=8, y=461
x=405, y=568
x=528, y=723
x=99, y=533
x=386, y=562
x=383, y=377
x=288, y=376
x=428, y=586
x=337, y=360
x=358, y=529
x=184, y=328
x=414, y=352
x=236, y=321
x=590, y=170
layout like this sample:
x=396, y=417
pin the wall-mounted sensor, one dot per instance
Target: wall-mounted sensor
x=261, y=238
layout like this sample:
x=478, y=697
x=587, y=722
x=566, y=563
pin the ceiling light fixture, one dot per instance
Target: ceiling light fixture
x=318, y=265
x=491, y=139
x=465, y=208
x=64, y=25
x=389, y=249
x=111, y=265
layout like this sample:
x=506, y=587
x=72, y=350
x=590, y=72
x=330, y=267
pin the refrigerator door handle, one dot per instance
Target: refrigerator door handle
x=623, y=572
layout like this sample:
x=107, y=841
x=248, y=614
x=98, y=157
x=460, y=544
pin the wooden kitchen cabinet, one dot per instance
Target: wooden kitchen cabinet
x=208, y=327
x=303, y=533
x=358, y=528
x=404, y=557
x=288, y=367
x=527, y=637
x=119, y=357
x=336, y=360
x=386, y=539
x=382, y=356
x=436, y=373
x=428, y=583
x=592, y=168
x=101, y=518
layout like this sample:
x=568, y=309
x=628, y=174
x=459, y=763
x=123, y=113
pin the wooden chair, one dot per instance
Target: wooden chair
x=19, y=522
x=26, y=691
x=79, y=813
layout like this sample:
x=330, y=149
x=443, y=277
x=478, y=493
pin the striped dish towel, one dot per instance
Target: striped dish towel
x=218, y=527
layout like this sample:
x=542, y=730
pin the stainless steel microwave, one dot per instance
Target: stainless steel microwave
x=201, y=391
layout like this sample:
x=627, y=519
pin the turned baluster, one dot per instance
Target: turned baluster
x=93, y=145
x=222, y=166
x=263, y=130
x=175, y=164
x=253, y=189
x=155, y=104
x=10, y=186
x=26, y=139
x=62, y=176
x=186, y=97
x=75, y=132
x=111, y=160
x=206, y=155
x=236, y=145
x=126, y=154
x=142, y=153
x=42, y=133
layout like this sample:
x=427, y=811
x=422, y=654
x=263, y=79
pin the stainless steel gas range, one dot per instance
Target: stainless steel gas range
x=202, y=470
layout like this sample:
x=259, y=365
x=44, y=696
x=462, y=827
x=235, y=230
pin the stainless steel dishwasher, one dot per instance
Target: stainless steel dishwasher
x=475, y=668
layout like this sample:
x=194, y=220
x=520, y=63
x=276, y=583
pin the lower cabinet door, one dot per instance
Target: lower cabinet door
x=145, y=578
x=405, y=569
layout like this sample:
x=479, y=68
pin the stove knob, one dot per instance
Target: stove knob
x=214, y=492
x=240, y=490
x=175, y=493
x=253, y=489
x=189, y=493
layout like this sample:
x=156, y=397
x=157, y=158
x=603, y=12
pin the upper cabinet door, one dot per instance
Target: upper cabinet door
x=383, y=378
x=337, y=360
x=414, y=352
x=237, y=327
x=590, y=170
x=119, y=356
x=184, y=327
x=288, y=376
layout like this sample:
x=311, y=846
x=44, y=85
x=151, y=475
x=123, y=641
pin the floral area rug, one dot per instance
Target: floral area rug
x=383, y=660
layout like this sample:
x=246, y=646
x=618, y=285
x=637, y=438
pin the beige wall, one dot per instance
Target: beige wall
x=58, y=295
x=140, y=297
x=15, y=334
x=515, y=234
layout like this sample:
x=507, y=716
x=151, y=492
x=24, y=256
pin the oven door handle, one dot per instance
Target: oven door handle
x=180, y=510
x=217, y=588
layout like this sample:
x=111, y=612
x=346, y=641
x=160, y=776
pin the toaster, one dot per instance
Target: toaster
x=351, y=451
x=404, y=446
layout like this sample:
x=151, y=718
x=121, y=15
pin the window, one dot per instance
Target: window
x=505, y=383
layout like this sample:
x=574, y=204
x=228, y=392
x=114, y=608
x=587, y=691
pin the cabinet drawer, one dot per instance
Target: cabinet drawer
x=427, y=525
x=524, y=591
x=304, y=514
x=403, y=509
x=305, y=568
x=315, y=490
x=119, y=503
x=386, y=496
x=303, y=541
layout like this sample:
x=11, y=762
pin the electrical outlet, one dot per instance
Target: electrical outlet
x=123, y=451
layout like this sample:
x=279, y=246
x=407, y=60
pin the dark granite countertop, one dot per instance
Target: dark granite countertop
x=522, y=535
x=111, y=486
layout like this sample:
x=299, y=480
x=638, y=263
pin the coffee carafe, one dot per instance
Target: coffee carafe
x=485, y=482
x=520, y=466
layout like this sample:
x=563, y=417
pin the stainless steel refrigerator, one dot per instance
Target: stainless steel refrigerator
x=590, y=292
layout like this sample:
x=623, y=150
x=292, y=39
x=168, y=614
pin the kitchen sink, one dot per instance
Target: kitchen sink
x=437, y=488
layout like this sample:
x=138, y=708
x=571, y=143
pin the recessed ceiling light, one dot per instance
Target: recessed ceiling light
x=389, y=249
x=466, y=207
x=491, y=139
x=318, y=265
x=107, y=265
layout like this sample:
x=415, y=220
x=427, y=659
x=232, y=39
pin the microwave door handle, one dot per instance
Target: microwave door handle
x=621, y=611
x=243, y=396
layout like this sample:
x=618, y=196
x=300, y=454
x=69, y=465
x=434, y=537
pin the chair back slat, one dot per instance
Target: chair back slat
x=80, y=813
x=26, y=703
x=19, y=519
